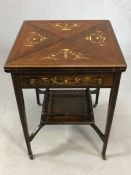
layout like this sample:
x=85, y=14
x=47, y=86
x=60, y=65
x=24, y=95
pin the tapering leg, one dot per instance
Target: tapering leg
x=96, y=92
x=22, y=112
x=37, y=96
x=38, y=92
x=44, y=107
x=111, y=108
x=97, y=97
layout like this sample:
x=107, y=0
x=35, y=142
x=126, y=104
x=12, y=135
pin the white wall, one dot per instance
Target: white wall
x=13, y=12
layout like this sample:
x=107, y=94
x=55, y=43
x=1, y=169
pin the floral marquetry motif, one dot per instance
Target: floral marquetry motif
x=97, y=38
x=34, y=38
x=66, y=26
x=64, y=54
x=77, y=80
x=63, y=80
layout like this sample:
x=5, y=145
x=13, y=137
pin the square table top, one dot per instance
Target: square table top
x=65, y=44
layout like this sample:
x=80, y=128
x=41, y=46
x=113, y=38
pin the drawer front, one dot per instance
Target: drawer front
x=104, y=80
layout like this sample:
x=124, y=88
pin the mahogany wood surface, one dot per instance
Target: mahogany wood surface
x=63, y=44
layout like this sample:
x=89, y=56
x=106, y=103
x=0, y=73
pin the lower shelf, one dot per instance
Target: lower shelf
x=67, y=107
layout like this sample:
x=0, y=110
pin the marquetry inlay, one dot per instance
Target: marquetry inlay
x=63, y=80
x=34, y=38
x=97, y=38
x=66, y=26
x=64, y=54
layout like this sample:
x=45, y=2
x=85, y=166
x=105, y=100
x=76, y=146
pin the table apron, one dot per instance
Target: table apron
x=88, y=80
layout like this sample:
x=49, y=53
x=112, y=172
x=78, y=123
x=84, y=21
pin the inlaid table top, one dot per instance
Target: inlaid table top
x=65, y=44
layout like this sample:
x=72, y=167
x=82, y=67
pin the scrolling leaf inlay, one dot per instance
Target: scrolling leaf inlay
x=85, y=80
x=97, y=38
x=66, y=26
x=34, y=38
x=64, y=54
